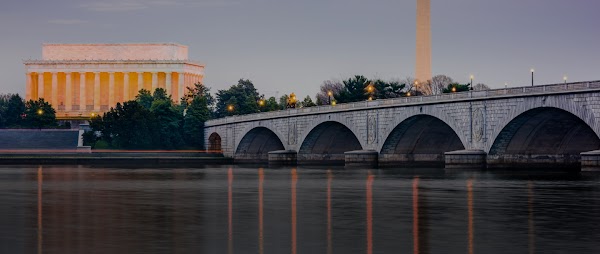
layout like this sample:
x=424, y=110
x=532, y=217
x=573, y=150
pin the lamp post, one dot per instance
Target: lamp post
x=230, y=108
x=329, y=94
x=532, y=71
x=416, y=88
x=565, y=78
x=40, y=112
x=471, y=84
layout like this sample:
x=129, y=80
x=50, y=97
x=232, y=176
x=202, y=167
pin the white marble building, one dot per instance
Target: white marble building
x=84, y=79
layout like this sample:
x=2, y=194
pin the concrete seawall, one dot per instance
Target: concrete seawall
x=142, y=159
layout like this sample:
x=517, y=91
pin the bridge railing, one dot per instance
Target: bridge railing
x=502, y=92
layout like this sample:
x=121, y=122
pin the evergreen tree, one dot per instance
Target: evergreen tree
x=197, y=113
x=39, y=114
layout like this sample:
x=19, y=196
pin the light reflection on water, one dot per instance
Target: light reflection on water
x=74, y=209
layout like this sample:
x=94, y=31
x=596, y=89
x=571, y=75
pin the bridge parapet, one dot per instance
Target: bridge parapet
x=416, y=100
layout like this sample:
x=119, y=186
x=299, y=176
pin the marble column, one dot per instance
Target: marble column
x=28, y=90
x=180, y=86
x=168, y=82
x=82, y=99
x=111, y=89
x=140, y=82
x=154, y=81
x=96, y=91
x=125, y=86
x=40, y=85
x=68, y=92
x=55, y=90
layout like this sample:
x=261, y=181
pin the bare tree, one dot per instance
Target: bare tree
x=439, y=82
x=481, y=87
x=333, y=86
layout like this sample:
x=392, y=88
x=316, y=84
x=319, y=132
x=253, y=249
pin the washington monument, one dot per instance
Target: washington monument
x=423, y=52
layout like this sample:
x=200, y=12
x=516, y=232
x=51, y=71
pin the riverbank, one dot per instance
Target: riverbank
x=112, y=158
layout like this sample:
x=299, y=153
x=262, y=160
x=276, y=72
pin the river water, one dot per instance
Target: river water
x=78, y=209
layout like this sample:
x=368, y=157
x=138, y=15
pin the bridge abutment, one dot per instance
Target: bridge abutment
x=465, y=159
x=361, y=158
x=283, y=158
x=590, y=161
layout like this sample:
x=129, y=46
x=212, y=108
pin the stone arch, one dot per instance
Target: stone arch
x=214, y=143
x=543, y=135
x=256, y=144
x=342, y=118
x=326, y=144
x=565, y=104
x=419, y=140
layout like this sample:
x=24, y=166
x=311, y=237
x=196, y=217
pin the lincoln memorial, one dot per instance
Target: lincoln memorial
x=84, y=79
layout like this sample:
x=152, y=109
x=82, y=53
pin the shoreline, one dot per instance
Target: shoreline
x=113, y=158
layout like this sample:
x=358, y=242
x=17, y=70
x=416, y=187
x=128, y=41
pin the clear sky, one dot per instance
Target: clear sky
x=288, y=46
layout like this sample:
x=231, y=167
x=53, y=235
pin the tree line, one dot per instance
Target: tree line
x=17, y=113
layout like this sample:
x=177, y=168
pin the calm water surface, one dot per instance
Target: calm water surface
x=74, y=209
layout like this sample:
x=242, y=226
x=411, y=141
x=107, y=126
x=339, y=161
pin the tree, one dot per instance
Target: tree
x=439, y=82
x=168, y=124
x=39, y=114
x=238, y=99
x=14, y=111
x=333, y=86
x=129, y=125
x=144, y=98
x=387, y=89
x=271, y=105
x=456, y=87
x=481, y=87
x=307, y=102
x=197, y=113
x=354, y=90
x=283, y=101
x=160, y=94
x=198, y=90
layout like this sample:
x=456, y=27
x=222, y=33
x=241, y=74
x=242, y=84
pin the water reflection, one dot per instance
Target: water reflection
x=84, y=210
x=470, y=212
x=370, y=179
x=261, y=179
x=415, y=208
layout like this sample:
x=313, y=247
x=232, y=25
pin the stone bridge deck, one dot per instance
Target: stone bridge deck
x=548, y=125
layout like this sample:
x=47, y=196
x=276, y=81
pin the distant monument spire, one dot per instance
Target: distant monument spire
x=423, y=50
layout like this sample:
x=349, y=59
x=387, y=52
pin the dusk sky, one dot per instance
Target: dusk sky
x=288, y=46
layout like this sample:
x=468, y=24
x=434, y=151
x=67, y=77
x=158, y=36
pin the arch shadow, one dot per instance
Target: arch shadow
x=326, y=144
x=256, y=145
x=419, y=140
x=545, y=137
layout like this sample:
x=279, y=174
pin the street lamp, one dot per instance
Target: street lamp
x=230, y=108
x=329, y=94
x=454, y=89
x=565, y=78
x=472, y=81
x=532, y=71
x=40, y=112
x=416, y=87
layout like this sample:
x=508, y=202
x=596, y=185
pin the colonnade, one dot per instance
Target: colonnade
x=87, y=91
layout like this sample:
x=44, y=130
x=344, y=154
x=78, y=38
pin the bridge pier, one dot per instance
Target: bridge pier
x=590, y=161
x=283, y=158
x=361, y=158
x=465, y=159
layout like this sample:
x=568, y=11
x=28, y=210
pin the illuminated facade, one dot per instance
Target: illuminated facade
x=83, y=79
